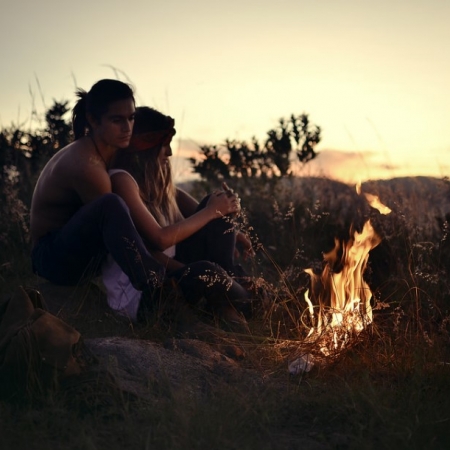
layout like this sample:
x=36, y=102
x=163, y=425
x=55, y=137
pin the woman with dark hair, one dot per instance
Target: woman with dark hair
x=75, y=218
x=194, y=242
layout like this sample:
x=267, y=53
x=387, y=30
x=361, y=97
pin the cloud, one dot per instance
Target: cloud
x=347, y=166
x=185, y=148
x=352, y=167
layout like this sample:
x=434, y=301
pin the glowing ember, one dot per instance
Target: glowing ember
x=343, y=298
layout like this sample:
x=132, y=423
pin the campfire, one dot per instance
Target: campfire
x=339, y=299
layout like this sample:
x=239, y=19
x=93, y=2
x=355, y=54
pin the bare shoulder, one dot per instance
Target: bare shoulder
x=78, y=168
x=89, y=174
x=81, y=155
x=74, y=176
x=124, y=184
x=120, y=176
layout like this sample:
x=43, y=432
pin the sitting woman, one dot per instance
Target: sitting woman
x=195, y=242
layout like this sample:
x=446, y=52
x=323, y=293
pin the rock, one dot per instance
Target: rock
x=138, y=362
x=181, y=364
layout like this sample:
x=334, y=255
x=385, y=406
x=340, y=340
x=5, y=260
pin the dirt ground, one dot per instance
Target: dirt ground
x=137, y=353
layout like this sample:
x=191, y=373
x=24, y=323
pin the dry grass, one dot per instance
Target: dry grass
x=388, y=388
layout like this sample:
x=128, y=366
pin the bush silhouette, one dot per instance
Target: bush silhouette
x=271, y=160
x=23, y=154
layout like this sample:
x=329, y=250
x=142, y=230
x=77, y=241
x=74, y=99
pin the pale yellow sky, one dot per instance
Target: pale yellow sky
x=373, y=75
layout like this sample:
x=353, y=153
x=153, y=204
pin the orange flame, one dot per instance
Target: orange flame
x=374, y=201
x=343, y=297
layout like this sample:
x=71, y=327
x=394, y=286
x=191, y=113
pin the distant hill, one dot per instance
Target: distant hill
x=417, y=201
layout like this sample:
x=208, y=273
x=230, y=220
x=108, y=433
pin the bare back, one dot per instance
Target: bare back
x=74, y=176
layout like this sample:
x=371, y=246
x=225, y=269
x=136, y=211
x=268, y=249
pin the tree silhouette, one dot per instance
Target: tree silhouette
x=23, y=154
x=211, y=167
x=241, y=160
x=58, y=130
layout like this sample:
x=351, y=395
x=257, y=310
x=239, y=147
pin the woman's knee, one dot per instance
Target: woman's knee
x=110, y=200
x=203, y=202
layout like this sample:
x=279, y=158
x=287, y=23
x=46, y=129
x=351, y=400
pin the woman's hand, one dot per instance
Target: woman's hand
x=223, y=203
x=230, y=193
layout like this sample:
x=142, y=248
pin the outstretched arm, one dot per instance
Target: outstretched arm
x=168, y=262
x=159, y=237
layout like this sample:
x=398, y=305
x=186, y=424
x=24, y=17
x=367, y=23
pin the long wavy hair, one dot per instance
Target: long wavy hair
x=156, y=187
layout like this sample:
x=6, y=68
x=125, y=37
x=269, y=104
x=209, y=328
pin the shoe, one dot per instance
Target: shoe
x=257, y=296
x=245, y=306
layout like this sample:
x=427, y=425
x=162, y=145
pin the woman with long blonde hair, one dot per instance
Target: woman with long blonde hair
x=195, y=242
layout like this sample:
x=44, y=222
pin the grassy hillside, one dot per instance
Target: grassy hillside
x=387, y=389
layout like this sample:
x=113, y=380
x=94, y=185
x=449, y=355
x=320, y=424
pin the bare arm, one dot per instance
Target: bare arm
x=188, y=204
x=159, y=237
x=168, y=262
x=91, y=182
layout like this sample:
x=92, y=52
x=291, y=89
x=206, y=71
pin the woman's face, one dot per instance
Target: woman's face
x=164, y=155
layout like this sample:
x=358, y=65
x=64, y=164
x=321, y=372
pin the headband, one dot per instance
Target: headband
x=152, y=139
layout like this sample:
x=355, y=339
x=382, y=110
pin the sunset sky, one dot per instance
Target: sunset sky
x=373, y=75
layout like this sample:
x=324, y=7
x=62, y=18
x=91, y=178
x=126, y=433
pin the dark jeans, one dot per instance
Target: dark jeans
x=215, y=242
x=74, y=252
x=209, y=258
x=207, y=279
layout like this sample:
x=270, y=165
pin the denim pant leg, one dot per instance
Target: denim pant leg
x=206, y=279
x=103, y=225
x=214, y=242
